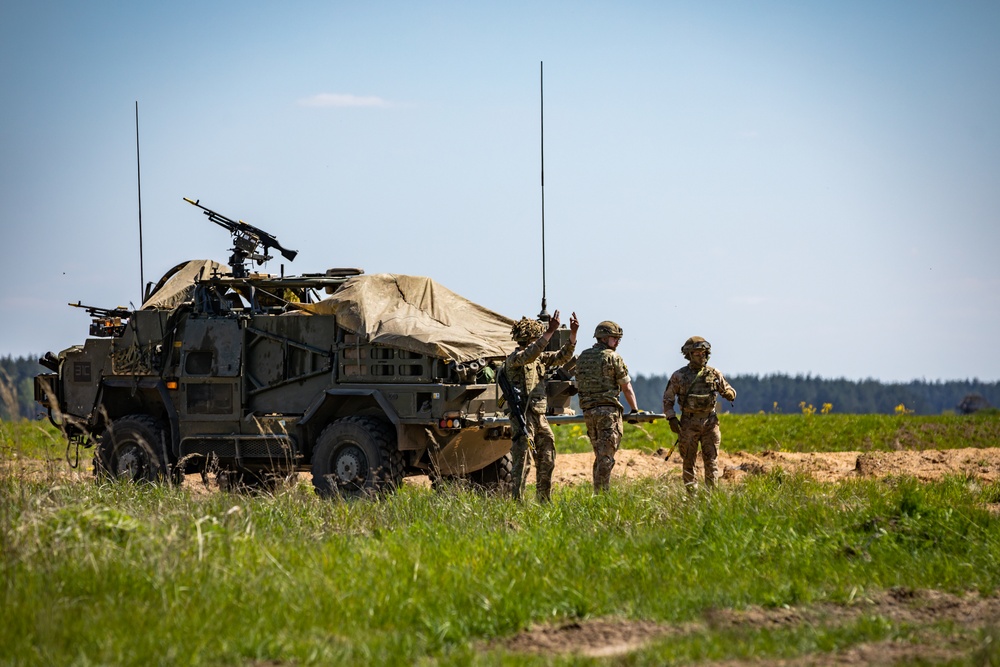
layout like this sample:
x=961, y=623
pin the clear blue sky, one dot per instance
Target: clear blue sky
x=814, y=187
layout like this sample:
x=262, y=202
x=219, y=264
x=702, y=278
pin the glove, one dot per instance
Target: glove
x=632, y=416
x=675, y=425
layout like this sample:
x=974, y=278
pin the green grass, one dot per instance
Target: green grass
x=121, y=574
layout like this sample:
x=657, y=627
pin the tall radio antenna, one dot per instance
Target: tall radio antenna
x=544, y=314
x=138, y=177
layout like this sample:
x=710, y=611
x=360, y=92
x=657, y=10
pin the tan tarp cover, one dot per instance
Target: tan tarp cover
x=408, y=312
x=417, y=314
x=177, y=285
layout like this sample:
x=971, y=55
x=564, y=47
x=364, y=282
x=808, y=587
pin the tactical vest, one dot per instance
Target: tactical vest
x=595, y=378
x=697, y=396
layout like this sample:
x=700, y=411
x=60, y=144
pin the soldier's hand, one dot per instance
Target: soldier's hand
x=553, y=323
x=675, y=425
x=631, y=418
x=574, y=323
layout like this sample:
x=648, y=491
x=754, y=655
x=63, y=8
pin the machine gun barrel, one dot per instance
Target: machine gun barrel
x=94, y=311
x=247, y=231
x=106, y=321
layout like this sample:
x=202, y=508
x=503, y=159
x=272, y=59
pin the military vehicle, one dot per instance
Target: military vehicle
x=362, y=379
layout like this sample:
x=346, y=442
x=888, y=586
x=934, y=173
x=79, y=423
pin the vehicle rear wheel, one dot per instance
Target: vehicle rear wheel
x=132, y=448
x=356, y=456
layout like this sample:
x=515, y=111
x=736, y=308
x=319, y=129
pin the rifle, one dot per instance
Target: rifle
x=246, y=241
x=512, y=395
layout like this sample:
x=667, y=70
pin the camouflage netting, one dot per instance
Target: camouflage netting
x=417, y=314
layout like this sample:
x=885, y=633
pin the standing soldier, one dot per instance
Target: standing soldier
x=694, y=388
x=601, y=375
x=525, y=368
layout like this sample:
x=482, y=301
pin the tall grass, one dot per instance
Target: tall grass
x=124, y=574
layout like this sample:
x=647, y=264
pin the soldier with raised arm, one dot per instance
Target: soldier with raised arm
x=694, y=388
x=525, y=368
x=601, y=375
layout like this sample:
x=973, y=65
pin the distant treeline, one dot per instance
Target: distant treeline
x=768, y=393
x=786, y=393
x=17, y=389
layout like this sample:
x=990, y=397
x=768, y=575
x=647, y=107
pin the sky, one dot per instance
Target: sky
x=814, y=187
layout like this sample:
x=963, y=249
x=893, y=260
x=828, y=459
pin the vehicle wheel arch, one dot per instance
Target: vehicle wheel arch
x=119, y=398
x=335, y=404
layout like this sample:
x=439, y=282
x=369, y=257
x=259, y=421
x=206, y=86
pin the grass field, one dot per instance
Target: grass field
x=120, y=574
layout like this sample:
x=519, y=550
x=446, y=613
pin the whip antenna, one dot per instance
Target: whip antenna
x=138, y=178
x=544, y=315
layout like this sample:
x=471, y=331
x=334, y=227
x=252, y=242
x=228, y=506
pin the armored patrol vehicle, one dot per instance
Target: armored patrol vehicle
x=360, y=379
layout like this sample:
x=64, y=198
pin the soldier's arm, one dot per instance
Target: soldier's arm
x=724, y=388
x=670, y=397
x=623, y=379
x=528, y=354
x=629, y=392
x=559, y=358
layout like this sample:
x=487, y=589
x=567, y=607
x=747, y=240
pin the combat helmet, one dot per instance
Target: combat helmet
x=696, y=343
x=526, y=330
x=608, y=328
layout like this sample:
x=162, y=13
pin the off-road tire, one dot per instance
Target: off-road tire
x=133, y=448
x=496, y=478
x=357, y=456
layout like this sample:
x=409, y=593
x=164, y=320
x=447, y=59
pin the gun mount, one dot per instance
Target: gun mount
x=249, y=242
x=107, y=322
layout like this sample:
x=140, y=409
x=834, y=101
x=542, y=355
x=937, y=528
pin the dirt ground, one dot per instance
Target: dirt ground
x=926, y=465
x=982, y=464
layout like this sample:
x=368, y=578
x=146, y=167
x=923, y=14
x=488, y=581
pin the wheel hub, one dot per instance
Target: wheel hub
x=130, y=463
x=351, y=465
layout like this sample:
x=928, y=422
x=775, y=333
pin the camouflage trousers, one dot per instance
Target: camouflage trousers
x=704, y=430
x=604, y=428
x=545, y=455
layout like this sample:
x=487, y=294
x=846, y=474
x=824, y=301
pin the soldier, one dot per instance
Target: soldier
x=525, y=367
x=601, y=375
x=694, y=388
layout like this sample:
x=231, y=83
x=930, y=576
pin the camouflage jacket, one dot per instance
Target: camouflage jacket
x=600, y=373
x=695, y=391
x=526, y=369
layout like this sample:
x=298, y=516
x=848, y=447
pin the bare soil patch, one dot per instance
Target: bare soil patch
x=982, y=464
x=925, y=465
x=936, y=613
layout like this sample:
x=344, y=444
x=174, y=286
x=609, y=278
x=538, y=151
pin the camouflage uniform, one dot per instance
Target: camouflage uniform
x=600, y=372
x=695, y=391
x=526, y=369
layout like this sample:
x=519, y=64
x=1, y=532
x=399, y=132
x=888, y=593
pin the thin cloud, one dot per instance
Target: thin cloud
x=342, y=100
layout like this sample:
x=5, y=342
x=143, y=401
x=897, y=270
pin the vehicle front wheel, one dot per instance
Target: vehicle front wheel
x=356, y=456
x=132, y=448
